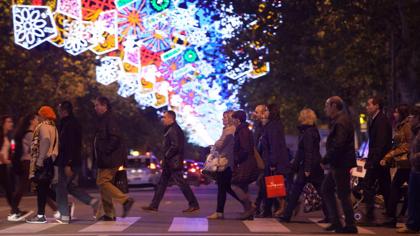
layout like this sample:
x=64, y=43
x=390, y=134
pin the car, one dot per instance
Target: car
x=143, y=170
x=192, y=172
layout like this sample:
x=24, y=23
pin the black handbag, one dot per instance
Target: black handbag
x=121, y=181
x=44, y=173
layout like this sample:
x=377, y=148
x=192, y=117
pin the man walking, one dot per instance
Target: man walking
x=110, y=153
x=380, y=142
x=173, y=149
x=69, y=162
x=341, y=158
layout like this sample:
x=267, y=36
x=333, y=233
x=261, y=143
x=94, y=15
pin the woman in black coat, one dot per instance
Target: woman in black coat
x=306, y=164
x=245, y=170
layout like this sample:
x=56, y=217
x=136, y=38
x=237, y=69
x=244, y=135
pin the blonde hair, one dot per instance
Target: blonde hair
x=307, y=117
x=229, y=114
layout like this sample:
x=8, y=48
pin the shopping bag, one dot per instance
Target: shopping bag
x=121, y=181
x=275, y=186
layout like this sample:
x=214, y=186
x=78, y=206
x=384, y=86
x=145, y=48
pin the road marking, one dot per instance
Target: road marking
x=111, y=226
x=184, y=224
x=360, y=230
x=27, y=228
x=265, y=225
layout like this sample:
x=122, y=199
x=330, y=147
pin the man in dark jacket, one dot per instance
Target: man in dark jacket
x=380, y=142
x=69, y=162
x=173, y=164
x=111, y=154
x=341, y=157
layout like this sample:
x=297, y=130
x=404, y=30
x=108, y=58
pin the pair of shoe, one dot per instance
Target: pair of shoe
x=323, y=221
x=149, y=208
x=249, y=214
x=284, y=219
x=338, y=228
x=38, y=219
x=127, y=206
x=406, y=230
x=63, y=220
x=191, y=210
x=216, y=216
x=19, y=216
x=107, y=218
x=72, y=208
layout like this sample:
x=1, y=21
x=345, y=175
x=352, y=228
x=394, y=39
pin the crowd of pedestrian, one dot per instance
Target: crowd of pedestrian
x=47, y=156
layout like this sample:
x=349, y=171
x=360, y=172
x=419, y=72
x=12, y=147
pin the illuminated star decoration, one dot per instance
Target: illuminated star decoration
x=168, y=54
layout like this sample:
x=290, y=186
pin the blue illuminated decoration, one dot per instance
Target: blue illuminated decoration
x=175, y=49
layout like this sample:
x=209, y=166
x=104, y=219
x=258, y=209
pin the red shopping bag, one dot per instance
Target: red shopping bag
x=275, y=186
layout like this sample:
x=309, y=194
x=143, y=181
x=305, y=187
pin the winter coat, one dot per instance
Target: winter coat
x=173, y=147
x=245, y=170
x=308, y=157
x=402, y=139
x=109, y=146
x=273, y=147
x=70, y=133
x=224, y=145
x=340, y=143
x=380, y=140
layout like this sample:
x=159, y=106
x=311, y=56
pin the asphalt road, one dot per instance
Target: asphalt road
x=169, y=220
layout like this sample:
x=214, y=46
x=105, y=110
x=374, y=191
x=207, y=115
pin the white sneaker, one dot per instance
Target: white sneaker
x=72, y=207
x=57, y=215
x=19, y=216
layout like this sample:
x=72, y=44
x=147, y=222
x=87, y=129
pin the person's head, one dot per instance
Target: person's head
x=168, y=118
x=274, y=111
x=227, y=118
x=307, y=117
x=102, y=105
x=28, y=122
x=333, y=106
x=238, y=117
x=6, y=124
x=261, y=112
x=374, y=104
x=46, y=113
x=401, y=112
x=65, y=109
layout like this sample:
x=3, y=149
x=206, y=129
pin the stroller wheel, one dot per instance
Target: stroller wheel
x=358, y=216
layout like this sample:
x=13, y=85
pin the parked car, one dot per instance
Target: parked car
x=143, y=170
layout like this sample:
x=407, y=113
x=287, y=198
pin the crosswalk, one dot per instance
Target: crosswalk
x=175, y=226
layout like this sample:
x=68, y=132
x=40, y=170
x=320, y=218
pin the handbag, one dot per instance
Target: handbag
x=215, y=162
x=401, y=161
x=275, y=186
x=121, y=181
x=312, y=200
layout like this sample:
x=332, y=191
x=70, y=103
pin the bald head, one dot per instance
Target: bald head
x=333, y=105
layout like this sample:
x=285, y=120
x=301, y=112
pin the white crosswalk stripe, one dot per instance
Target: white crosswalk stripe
x=183, y=224
x=360, y=229
x=265, y=225
x=28, y=228
x=111, y=226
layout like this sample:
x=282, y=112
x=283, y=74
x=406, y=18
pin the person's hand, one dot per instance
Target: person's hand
x=68, y=171
x=382, y=163
x=307, y=173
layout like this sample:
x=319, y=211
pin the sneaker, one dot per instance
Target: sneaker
x=37, y=220
x=333, y=227
x=405, y=230
x=19, y=216
x=191, y=210
x=57, y=215
x=149, y=208
x=347, y=230
x=127, y=206
x=107, y=218
x=216, y=216
x=63, y=220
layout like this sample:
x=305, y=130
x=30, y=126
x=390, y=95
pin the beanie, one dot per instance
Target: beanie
x=47, y=112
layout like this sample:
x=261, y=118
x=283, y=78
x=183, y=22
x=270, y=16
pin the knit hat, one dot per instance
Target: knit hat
x=47, y=112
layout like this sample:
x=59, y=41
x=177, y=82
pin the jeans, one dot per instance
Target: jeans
x=382, y=176
x=413, y=221
x=108, y=190
x=179, y=180
x=62, y=193
x=74, y=190
x=400, y=177
x=337, y=181
x=223, y=186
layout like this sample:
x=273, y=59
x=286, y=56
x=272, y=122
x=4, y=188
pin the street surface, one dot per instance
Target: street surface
x=170, y=220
